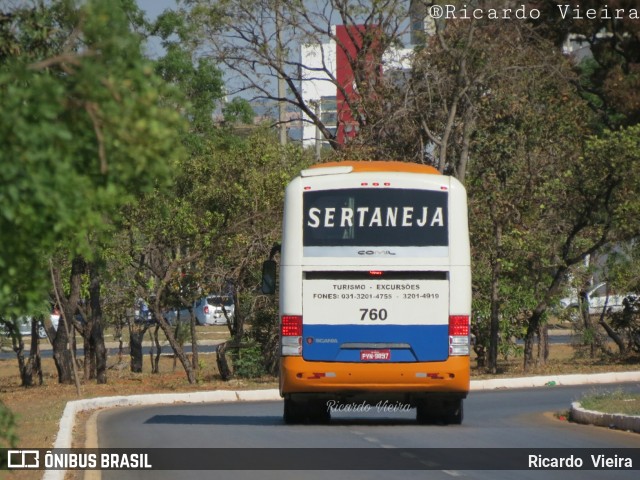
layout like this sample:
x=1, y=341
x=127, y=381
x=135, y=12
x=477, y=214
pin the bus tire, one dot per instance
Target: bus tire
x=293, y=413
x=425, y=414
x=455, y=413
x=450, y=413
x=318, y=412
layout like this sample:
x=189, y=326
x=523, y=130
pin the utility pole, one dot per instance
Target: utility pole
x=317, y=111
x=282, y=114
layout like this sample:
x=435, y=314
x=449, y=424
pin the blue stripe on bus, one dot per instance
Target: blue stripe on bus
x=424, y=343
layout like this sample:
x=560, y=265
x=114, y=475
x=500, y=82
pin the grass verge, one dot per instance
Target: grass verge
x=612, y=401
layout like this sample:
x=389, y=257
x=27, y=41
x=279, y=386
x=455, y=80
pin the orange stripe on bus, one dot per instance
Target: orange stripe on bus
x=381, y=166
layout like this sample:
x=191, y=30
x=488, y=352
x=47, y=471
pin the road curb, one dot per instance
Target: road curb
x=67, y=422
x=610, y=420
x=553, y=380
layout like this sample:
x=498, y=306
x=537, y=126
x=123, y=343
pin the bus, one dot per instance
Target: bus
x=375, y=292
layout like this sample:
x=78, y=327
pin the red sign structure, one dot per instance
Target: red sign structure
x=356, y=45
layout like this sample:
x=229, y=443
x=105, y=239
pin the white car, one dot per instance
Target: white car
x=208, y=311
x=24, y=326
x=598, y=300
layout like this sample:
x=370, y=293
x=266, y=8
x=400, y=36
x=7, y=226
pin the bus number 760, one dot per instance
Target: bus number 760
x=373, y=314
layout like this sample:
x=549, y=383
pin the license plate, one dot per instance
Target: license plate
x=375, y=355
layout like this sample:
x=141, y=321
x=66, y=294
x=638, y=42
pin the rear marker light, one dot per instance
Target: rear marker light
x=291, y=326
x=291, y=334
x=458, y=335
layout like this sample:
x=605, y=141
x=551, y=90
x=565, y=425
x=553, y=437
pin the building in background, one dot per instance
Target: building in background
x=327, y=81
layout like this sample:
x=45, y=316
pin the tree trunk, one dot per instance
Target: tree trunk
x=89, y=355
x=98, y=357
x=195, y=364
x=532, y=330
x=535, y=320
x=175, y=345
x=494, y=331
x=34, y=364
x=17, y=342
x=26, y=379
x=615, y=336
x=221, y=361
x=64, y=362
x=119, y=326
x=543, y=344
x=155, y=360
x=100, y=351
x=469, y=128
x=62, y=343
x=136, y=336
x=589, y=330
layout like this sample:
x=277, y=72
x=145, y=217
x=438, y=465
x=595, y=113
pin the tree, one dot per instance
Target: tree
x=211, y=236
x=428, y=113
x=8, y=437
x=623, y=276
x=85, y=131
x=522, y=104
x=610, y=58
x=258, y=40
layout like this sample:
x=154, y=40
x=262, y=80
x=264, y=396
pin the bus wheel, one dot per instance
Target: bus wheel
x=454, y=413
x=449, y=413
x=425, y=414
x=293, y=413
x=318, y=412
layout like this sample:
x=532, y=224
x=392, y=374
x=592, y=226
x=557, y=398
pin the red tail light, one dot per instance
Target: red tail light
x=459, y=325
x=291, y=326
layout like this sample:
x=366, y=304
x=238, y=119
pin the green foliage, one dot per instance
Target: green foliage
x=199, y=81
x=8, y=436
x=248, y=361
x=182, y=331
x=84, y=132
x=265, y=329
x=238, y=110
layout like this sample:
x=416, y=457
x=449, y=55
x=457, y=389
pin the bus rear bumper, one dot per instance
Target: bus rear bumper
x=375, y=380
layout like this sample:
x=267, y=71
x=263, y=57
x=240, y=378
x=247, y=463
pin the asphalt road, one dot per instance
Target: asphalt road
x=500, y=420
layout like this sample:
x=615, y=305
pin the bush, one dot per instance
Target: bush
x=8, y=438
x=247, y=362
x=265, y=332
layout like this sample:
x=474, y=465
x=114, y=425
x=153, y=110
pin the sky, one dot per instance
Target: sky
x=155, y=7
x=152, y=9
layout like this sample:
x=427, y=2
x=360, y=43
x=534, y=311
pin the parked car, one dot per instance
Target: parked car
x=142, y=313
x=598, y=299
x=208, y=311
x=24, y=327
x=24, y=324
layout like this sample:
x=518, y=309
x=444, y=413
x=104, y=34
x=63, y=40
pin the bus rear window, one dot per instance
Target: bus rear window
x=375, y=217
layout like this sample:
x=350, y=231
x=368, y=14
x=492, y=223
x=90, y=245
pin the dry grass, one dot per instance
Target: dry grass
x=39, y=409
x=563, y=359
x=608, y=401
